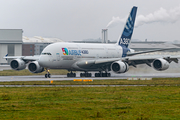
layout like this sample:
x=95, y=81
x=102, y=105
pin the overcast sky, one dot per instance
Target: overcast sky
x=83, y=19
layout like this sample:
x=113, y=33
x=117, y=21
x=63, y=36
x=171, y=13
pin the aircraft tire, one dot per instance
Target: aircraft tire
x=49, y=75
x=104, y=75
x=46, y=75
x=74, y=74
x=108, y=74
x=89, y=74
x=67, y=74
x=95, y=75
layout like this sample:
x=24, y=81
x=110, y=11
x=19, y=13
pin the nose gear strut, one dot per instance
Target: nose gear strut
x=47, y=75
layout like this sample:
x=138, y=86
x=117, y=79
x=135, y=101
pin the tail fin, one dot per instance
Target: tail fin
x=125, y=38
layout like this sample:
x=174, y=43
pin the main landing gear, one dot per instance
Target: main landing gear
x=86, y=74
x=47, y=75
x=71, y=74
x=100, y=74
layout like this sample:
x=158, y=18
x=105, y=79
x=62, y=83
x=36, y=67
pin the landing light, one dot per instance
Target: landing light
x=86, y=62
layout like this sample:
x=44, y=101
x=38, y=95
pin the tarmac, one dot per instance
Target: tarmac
x=63, y=77
x=140, y=72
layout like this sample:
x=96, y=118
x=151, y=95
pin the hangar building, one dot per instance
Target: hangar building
x=35, y=45
x=10, y=43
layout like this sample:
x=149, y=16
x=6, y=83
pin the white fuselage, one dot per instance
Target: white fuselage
x=64, y=55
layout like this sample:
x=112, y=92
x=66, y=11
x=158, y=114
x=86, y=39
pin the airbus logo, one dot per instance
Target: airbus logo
x=74, y=52
x=124, y=41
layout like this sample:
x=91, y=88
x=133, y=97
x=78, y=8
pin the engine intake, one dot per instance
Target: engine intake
x=17, y=64
x=160, y=64
x=34, y=67
x=119, y=67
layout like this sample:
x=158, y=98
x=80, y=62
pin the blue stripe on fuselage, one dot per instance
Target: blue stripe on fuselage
x=125, y=50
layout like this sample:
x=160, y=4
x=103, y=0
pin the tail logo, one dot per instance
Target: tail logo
x=129, y=27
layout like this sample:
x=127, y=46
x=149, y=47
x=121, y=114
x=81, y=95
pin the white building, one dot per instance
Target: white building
x=10, y=43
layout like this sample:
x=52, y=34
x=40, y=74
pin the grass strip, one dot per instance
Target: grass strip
x=154, y=81
x=26, y=72
x=122, y=103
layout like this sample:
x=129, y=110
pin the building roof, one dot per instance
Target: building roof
x=39, y=39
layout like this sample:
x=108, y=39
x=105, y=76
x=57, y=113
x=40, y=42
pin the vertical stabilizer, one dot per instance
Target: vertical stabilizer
x=125, y=38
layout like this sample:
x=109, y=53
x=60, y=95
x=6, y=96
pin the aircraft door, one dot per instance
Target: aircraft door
x=57, y=57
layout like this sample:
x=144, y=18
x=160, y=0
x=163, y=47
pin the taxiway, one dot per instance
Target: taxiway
x=63, y=77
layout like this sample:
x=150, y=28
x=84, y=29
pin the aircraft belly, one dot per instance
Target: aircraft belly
x=63, y=64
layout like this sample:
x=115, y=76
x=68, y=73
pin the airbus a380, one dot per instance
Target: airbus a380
x=92, y=57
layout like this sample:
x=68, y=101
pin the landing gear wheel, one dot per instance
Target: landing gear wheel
x=81, y=74
x=97, y=74
x=71, y=74
x=74, y=74
x=108, y=74
x=102, y=74
x=90, y=75
x=49, y=75
x=85, y=74
x=46, y=75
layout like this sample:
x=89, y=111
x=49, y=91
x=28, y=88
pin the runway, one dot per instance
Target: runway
x=63, y=77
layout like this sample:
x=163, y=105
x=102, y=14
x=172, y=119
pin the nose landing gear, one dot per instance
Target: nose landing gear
x=47, y=75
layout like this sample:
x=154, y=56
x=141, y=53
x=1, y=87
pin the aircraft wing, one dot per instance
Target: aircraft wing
x=148, y=51
x=25, y=58
x=148, y=59
x=131, y=61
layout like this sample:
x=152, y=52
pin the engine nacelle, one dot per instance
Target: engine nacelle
x=160, y=64
x=119, y=67
x=17, y=64
x=34, y=67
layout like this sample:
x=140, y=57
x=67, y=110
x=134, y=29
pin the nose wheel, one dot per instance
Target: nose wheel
x=47, y=75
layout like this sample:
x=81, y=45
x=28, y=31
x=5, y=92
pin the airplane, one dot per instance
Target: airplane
x=88, y=57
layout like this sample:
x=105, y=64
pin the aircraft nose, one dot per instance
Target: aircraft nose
x=41, y=61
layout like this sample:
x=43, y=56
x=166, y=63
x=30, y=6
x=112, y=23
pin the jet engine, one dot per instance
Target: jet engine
x=18, y=64
x=160, y=64
x=34, y=67
x=119, y=67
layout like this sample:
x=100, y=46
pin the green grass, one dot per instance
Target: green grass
x=104, y=103
x=26, y=72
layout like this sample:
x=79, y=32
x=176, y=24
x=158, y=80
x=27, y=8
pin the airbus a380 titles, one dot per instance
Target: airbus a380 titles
x=88, y=57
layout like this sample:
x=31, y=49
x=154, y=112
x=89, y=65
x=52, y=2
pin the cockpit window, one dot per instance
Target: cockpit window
x=45, y=53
